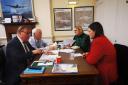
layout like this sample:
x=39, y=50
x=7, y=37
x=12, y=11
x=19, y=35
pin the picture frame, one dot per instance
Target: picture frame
x=22, y=8
x=63, y=19
x=83, y=16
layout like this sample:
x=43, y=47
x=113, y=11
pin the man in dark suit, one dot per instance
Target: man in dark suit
x=18, y=52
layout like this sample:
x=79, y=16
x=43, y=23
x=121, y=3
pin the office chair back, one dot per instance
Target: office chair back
x=2, y=64
x=122, y=63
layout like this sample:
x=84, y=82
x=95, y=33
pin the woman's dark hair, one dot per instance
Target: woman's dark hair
x=97, y=28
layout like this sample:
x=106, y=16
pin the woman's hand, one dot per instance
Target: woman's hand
x=85, y=54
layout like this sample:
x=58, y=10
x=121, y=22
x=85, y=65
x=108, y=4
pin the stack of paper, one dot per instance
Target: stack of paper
x=65, y=68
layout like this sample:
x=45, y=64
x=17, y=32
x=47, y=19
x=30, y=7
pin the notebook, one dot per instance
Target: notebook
x=34, y=70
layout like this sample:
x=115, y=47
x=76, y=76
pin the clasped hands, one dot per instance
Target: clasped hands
x=85, y=54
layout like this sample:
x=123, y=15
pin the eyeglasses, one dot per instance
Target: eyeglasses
x=28, y=33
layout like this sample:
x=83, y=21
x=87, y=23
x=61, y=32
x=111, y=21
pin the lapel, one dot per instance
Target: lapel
x=19, y=45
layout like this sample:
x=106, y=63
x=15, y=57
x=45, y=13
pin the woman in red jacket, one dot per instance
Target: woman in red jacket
x=102, y=54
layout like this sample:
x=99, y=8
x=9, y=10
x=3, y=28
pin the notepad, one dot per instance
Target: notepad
x=34, y=71
x=65, y=68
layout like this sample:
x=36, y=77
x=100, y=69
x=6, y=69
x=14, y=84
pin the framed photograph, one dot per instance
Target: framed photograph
x=17, y=7
x=83, y=16
x=63, y=19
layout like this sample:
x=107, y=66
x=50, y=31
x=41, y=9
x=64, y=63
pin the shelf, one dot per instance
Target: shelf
x=11, y=28
x=28, y=23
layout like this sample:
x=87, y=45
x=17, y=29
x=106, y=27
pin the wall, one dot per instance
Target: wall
x=111, y=13
x=61, y=35
x=113, y=16
x=3, y=39
x=43, y=16
x=122, y=22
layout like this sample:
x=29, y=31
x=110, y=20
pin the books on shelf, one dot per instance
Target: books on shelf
x=34, y=70
x=65, y=68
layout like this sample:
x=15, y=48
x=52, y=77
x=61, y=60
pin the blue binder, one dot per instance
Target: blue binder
x=34, y=71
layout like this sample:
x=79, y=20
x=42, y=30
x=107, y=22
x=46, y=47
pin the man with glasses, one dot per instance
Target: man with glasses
x=81, y=39
x=18, y=53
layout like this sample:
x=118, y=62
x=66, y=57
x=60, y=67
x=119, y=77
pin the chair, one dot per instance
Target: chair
x=2, y=61
x=122, y=63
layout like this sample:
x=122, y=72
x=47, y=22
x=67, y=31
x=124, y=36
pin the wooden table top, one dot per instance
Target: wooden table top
x=84, y=69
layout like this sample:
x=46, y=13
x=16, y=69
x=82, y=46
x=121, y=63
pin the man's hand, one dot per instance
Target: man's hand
x=37, y=51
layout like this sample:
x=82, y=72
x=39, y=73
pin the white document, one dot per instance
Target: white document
x=67, y=50
x=68, y=42
x=48, y=57
x=77, y=54
x=55, y=52
x=45, y=64
x=62, y=50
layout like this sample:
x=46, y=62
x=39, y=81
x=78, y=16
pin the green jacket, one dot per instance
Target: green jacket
x=83, y=41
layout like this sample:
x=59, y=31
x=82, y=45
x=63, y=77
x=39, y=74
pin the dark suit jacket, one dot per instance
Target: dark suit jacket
x=16, y=60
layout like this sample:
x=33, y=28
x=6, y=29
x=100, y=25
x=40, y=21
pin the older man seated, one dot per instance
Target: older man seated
x=36, y=40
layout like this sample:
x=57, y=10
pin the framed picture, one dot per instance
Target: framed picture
x=63, y=19
x=17, y=7
x=83, y=16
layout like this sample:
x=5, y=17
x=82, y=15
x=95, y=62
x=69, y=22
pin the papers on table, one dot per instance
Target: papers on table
x=62, y=50
x=68, y=42
x=65, y=68
x=67, y=50
x=56, y=52
x=77, y=54
x=48, y=57
x=75, y=47
x=42, y=63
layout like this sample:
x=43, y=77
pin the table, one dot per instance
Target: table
x=87, y=75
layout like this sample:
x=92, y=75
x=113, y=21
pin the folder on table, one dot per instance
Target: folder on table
x=34, y=70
